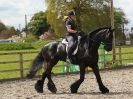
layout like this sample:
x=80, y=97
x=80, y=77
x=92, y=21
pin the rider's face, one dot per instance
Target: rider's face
x=73, y=17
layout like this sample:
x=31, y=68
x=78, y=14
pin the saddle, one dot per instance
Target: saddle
x=64, y=41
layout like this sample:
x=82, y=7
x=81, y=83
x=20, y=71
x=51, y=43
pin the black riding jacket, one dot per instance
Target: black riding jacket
x=69, y=22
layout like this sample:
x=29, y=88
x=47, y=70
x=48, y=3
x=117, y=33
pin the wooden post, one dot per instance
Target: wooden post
x=112, y=24
x=67, y=67
x=104, y=59
x=21, y=65
x=120, y=55
x=25, y=22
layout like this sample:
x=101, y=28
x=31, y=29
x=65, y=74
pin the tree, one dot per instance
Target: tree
x=90, y=13
x=9, y=32
x=38, y=23
x=131, y=37
x=2, y=26
x=120, y=21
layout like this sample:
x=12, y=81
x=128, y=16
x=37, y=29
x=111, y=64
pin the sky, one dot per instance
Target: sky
x=12, y=12
x=127, y=7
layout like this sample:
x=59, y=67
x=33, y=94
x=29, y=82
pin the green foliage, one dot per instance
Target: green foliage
x=2, y=26
x=30, y=38
x=23, y=46
x=119, y=18
x=8, y=32
x=131, y=38
x=15, y=46
x=120, y=21
x=38, y=23
x=39, y=44
x=90, y=14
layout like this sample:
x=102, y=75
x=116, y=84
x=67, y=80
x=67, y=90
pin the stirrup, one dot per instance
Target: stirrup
x=68, y=60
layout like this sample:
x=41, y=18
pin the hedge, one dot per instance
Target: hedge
x=22, y=46
x=39, y=44
x=15, y=46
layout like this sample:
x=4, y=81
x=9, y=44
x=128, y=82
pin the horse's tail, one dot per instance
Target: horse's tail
x=36, y=65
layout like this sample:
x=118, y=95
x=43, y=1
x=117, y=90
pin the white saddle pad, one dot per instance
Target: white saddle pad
x=64, y=41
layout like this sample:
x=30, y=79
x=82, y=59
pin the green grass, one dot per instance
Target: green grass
x=12, y=66
x=56, y=69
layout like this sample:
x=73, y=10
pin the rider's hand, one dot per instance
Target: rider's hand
x=80, y=33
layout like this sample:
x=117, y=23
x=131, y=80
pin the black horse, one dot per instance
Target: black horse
x=87, y=55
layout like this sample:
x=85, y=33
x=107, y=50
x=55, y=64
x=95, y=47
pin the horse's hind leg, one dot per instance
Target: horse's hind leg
x=47, y=73
x=51, y=85
x=39, y=83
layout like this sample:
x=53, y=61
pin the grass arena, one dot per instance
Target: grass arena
x=119, y=82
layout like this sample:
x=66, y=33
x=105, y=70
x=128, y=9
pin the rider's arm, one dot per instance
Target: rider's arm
x=69, y=27
x=70, y=30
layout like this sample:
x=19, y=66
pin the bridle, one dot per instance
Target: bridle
x=99, y=42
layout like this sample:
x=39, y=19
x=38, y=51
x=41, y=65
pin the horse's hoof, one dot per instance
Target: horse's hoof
x=73, y=89
x=39, y=86
x=51, y=87
x=104, y=90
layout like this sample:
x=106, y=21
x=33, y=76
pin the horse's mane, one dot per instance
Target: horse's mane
x=97, y=30
x=90, y=34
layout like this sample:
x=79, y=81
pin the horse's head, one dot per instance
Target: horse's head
x=107, y=39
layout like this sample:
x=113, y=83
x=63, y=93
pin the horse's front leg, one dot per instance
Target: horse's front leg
x=74, y=87
x=102, y=88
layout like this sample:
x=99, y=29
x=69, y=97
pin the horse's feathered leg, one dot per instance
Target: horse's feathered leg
x=74, y=87
x=39, y=83
x=51, y=85
x=102, y=88
x=47, y=73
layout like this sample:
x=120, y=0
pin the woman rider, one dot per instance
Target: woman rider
x=71, y=34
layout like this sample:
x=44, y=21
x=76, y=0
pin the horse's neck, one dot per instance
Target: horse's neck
x=95, y=43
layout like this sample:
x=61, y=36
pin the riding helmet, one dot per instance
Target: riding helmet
x=72, y=12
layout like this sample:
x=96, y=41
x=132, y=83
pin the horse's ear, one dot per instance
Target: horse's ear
x=110, y=28
x=113, y=30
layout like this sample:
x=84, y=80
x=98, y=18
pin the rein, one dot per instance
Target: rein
x=101, y=42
